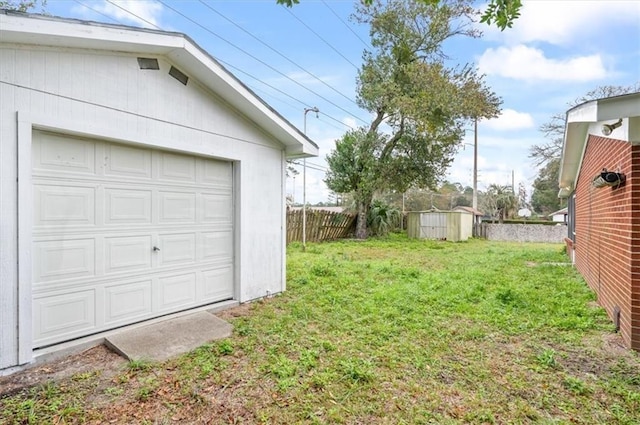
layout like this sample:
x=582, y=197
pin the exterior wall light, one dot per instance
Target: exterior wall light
x=607, y=129
x=608, y=178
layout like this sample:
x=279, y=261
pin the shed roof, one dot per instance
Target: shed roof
x=564, y=211
x=469, y=210
x=581, y=119
x=34, y=29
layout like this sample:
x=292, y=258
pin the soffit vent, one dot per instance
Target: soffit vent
x=148, y=63
x=178, y=75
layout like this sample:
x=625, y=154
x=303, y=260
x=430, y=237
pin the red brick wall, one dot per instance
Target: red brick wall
x=607, y=227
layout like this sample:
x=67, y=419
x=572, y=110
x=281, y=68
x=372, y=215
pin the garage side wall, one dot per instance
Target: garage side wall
x=607, y=232
x=106, y=96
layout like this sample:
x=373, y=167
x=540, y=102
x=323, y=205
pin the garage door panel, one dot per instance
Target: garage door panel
x=63, y=259
x=128, y=302
x=124, y=206
x=100, y=209
x=217, y=284
x=130, y=253
x=126, y=161
x=217, y=208
x=60, y=153
x=177, y=207
x=179, y=168
x=176, y=249
x=217, y=173
x=217, y=245
x=64, y=205
x=176, y=291
x=63, y=315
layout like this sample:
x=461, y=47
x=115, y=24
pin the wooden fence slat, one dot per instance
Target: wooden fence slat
x=321, y=225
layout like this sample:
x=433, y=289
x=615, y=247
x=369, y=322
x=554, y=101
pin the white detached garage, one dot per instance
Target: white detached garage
x=132, y=169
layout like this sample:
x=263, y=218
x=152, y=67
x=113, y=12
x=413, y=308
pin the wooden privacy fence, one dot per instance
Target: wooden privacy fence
x=321, y=225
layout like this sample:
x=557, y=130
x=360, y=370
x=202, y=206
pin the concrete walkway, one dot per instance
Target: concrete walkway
x=163, y=340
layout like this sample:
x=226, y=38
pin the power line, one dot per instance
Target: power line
x=277, y=52
x=320, y=37
x=265, y=83
x=280, y=91
x=257, y=59
x=331, y=125
x=336, y=120
x=316, y=167
x=224, y=62
x=346, y=25
x=312, y=164
x=272, y=96
x=97, y=11
x=139, y=17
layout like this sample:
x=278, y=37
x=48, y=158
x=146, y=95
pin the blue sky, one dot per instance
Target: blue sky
x=308, y=56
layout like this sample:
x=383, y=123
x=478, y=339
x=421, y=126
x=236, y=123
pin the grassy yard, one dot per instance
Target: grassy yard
x=391, y=331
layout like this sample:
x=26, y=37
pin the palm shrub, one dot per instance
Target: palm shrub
x=383, y=218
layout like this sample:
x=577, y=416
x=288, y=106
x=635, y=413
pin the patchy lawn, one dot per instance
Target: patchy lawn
x=391, y=331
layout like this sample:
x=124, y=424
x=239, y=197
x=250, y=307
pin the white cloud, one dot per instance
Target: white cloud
x=530, y=64
x=562, y=22
x=510, y=119
x=142, y=13
x=351, y=122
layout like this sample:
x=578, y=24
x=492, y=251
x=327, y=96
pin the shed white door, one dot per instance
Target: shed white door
x=123, y=234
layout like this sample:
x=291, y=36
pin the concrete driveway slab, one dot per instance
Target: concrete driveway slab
x=163, y=340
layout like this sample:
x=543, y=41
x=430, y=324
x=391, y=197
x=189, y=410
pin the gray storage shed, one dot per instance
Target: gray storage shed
x=452, y=226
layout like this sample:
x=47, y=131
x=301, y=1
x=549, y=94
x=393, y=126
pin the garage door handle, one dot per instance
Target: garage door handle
x=156, y=249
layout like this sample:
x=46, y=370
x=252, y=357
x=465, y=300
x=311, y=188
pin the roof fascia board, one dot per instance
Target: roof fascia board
x=573, y=150
x=56, y=32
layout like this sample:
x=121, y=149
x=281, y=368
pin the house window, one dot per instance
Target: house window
x=571, y=217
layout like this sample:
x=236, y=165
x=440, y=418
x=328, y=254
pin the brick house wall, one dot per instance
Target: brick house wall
x=607, y=227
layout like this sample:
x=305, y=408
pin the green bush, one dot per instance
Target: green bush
x=383, y=218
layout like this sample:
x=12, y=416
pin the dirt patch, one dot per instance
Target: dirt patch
x=98, y=358
x=242, y=310
x=602, y=355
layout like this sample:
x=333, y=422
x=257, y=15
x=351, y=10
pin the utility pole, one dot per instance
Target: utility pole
x=304, y=182
x=475, y=165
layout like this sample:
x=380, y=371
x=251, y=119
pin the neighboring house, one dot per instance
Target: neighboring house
x=604, y=206
x=559, y=216
x=138, y=179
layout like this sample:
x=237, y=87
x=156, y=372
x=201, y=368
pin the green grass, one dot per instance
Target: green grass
x=392, y=331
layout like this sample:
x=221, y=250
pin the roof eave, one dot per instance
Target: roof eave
x=578, y=122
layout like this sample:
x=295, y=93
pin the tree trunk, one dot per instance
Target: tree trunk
x=361, y=223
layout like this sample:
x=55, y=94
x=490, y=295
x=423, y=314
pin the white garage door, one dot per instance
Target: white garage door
x=122, y=234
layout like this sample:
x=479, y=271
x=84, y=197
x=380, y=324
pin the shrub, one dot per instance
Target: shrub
x=383, y=218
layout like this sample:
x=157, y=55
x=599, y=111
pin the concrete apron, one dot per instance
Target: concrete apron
x=163, y=340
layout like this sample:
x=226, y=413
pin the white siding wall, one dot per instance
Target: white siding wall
x=108, y=96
